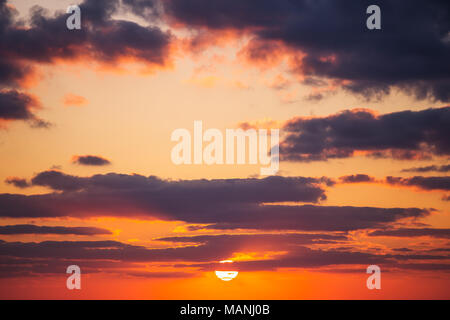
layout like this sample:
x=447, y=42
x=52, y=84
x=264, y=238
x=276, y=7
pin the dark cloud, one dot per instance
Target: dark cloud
x=112, y=250
x=309, y=217
x=221, y=14
x=99, y=12
x=400, y=154
x=33, y=229
x=17, y=182
x=425, y=266
x=149, y=9
x=444, y=168
x=7, y=14
x=405, y=134
x=75, y=250
x=20, y=267
x=151, y=275
x=219, y=203
x=89, y=160
x=409, y=232
x=12, y=73
x=15, y=105
x=410, y=52
x=128, y=39
x=270, y=189
x=356, y=178
x=100, y=37
x=267, y=241
x=425, y=183
x=57, y=180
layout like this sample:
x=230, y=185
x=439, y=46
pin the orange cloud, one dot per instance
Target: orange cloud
x=263, y=54
x=71, y=99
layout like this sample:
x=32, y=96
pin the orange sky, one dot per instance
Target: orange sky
x=126, y=111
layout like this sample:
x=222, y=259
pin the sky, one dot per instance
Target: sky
x=87, y=178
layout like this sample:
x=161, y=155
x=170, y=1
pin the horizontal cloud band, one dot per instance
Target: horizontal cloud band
x=218, y=204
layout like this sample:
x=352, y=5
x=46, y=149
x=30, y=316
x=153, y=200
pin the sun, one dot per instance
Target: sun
x=226, y=275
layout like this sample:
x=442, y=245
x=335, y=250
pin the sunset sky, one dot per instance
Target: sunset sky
x=86, y=176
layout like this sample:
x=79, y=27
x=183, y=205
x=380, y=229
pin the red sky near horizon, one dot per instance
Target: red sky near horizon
x=87, y=178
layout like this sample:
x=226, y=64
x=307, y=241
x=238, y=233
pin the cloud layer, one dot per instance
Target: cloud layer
x=218, y=203
x=204, y=253
x=409, y=232
x=401, y=135
x=33, y=229
x=329, y=40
